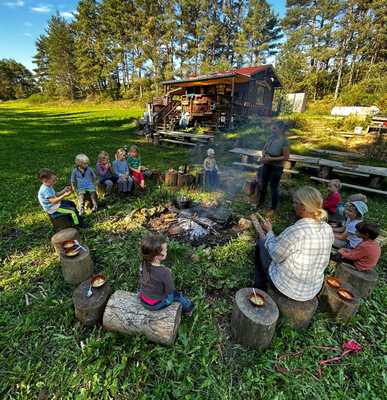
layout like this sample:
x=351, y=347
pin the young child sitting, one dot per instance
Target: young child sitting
x=121, y=170
x=346, y=236
x=105, y=173
x=52, y=202
x=340, y=209
x=157, y=289
x=333, y=199
x=134, y=163
x=211, y=170
x=83, y=181
x=366, y=255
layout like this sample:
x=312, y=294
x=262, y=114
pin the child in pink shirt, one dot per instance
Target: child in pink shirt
x=333, y=199
x=366, y=255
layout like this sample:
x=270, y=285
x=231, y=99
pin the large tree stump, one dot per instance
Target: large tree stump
x=331, y=302
x=171, y=178
x=62, y=236
x=77, y=269
x=363, y=281
x=124, y=313
x=253, y=326
x=298, y=313
x=89, y=310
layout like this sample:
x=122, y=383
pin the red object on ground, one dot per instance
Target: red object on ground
x=348, y=347
x=138, y=177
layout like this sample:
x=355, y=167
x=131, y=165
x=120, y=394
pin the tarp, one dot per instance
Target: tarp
x=355, y=110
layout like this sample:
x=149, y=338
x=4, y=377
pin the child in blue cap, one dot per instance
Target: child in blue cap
x=347, y=236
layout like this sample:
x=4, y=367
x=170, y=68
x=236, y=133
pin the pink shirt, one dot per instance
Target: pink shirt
x=331, y=202
x=365, y=256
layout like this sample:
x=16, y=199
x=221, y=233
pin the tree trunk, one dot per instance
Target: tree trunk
x=253, y=326
x=89, y=310
x=363, y=281
x=124, y=313
x=77, y=269
x=338, y=83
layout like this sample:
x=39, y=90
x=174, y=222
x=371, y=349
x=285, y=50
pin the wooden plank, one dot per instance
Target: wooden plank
x=312, y=166
x=361, y=188
x=344, y=172
x=256, y=167
x=366, y=169
x=338, y=153
x=178, y=142
x=185, y=134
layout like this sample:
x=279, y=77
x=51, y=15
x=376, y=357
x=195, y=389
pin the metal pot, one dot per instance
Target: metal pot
x=183, y=202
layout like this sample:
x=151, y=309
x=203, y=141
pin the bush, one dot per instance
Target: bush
x=39, y=98
x=365, y=93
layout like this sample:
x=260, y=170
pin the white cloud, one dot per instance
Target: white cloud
x=27, y=34
x=67, y=14
x=14, y=3
x=41, y=9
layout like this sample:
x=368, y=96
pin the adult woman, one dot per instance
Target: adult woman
x=294, y=262
x=275, y=152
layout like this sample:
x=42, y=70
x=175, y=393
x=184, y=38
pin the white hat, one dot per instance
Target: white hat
x=210, y=152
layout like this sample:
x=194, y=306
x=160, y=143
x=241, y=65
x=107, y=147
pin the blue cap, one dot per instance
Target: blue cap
x=361, y=207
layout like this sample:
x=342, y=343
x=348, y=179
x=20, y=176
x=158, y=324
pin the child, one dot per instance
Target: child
x=134, y=163
x=83, y=181
x=366, y=255
x=340, y=209
x=157, y=289
x=211, y=176
x=346, y=236
x=333, y=199
x=105, y=172
x=53, y=203
x=121, y=170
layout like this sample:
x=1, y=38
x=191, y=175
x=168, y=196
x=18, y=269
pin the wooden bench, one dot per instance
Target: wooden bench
x=361, y=188
x=345, y=172
x=178, y=142
x=256, y=167
x=186, y=135
x=337, y=153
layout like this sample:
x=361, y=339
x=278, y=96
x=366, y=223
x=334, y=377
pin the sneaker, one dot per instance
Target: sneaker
x=81, y=211
x=189, y=312
x=94, y=209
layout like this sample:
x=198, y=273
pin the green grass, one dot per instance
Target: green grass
x=46, y=353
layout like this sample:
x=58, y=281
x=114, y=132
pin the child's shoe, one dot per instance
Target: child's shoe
x=95, y=208
x=81, y=210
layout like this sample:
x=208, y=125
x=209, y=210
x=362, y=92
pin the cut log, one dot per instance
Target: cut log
x=331, y=302
x=77, y=269
x=62, y=236
x=184, y=179
x=124, y=313
x=253, y=326
x=363, y=281
x=298, y=313
x=89, y=310
x=171, y=178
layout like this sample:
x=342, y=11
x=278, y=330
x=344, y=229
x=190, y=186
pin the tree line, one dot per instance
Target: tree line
x=126, y=48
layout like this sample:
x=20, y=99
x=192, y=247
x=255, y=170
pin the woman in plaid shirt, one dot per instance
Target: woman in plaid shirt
x=294, y=261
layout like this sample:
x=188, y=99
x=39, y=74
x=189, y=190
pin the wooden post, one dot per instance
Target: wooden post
x=331, y=302
x=89, y=310
x=298, y=313
x=124, y=313
x=231, y=124
x=77, y=269
x=363, y=281
x=253, y=326
x=62, y=236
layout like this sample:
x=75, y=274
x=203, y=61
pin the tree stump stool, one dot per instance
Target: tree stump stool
x=253, y=326
x=62, y=236
x=331, y=302
x=363, y=281
x=299, y=314
x=89, y=310
x=61, y=222
x=77, y=269
x=124, y=313
x=171, y=178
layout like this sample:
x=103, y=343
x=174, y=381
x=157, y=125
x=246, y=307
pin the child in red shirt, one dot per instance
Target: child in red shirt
x=366, y=255
x=333, y=199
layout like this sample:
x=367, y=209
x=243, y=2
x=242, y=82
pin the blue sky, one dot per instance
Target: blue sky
x=22, y=21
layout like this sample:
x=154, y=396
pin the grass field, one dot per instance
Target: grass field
x=46, y=354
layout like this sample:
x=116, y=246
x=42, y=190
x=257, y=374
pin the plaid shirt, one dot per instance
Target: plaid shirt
x=299, y=256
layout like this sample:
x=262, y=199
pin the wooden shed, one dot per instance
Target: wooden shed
x=216, y=100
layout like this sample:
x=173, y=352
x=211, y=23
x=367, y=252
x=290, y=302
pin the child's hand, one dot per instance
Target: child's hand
x=267, y=225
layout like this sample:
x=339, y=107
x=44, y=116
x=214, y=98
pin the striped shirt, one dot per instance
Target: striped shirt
x=299, y=256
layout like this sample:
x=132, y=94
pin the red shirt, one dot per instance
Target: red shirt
x=331, y=202
x=365, y=256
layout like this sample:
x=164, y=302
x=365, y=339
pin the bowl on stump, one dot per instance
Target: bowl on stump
x=89, y=310
x=363, y=281
x=62, y=236
x=253, y=326
x=299, y=314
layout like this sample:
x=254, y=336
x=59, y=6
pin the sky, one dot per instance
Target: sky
x=22, y=21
